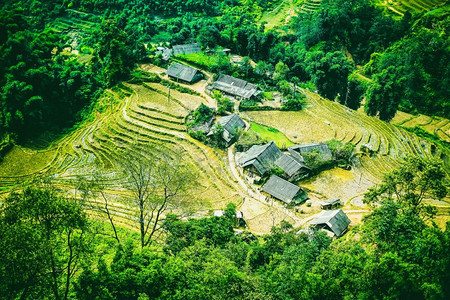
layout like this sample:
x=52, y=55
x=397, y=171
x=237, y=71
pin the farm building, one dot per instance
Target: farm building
x=186, y=49
x=234, y=87
x=293, y=168
x=165, y=53
x=260, y=159
x=322, y=148
x=334, y=221
x=184, y=73
x=330, y=203
x=231, y=124
x=284, y=190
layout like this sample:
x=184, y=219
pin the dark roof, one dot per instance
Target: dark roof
x=231, y=123
x=186, y=49
x=166, y=53
x=281, y=189
x=289, y=165
x=336, y=221
x=322, y=148
x=235, y=86
x=182, y=72
x=331, y=201
x=262, y=157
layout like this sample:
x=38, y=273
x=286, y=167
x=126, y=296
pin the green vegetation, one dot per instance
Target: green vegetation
x=248, y=139
x=119, y=238
x=271, y=134
x=217, y=63
x=50, y=249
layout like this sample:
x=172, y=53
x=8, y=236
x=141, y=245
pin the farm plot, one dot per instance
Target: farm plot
x=323, y=120
x=401, y=6
x=147, y=124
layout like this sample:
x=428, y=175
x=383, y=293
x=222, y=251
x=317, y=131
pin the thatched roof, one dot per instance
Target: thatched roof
x=262, y=157
x=182, y=72
x=322, y=148
x=186, y=49
x=333, y=220
x=281, y=189
x=289, y=165
x=235, y=86
x=230, y=124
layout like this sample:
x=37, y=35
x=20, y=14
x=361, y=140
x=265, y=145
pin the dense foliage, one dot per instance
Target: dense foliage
x=45, y=89
x=398, y=252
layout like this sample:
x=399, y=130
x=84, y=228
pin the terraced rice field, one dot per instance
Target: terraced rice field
x=401, y=6
x=145, y=122
x=434, y=125
x=280, y=15
x=142, y=119
x=323, y=120
x=310, y=6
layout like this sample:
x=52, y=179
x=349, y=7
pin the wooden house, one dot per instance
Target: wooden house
x=184, y=73
x=284, y=190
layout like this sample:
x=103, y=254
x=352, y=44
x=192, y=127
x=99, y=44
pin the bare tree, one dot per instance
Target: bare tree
x=93, y=188
x=156, y=185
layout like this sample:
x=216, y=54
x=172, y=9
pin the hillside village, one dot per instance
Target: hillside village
x=239, y=149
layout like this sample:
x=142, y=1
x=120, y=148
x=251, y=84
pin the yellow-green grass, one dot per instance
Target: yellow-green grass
x=271, y=134
x=418, y=121
x=189, y=101
x=18, y=162
x=278, y=15
x=401, y=6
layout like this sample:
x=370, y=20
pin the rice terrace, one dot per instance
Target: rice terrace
x=285, y=149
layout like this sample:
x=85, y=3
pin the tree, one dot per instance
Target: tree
x=384, y=94
x=416, y=180
x=93, y=188
x=156, y=186
x=354, y=94
x=281, y=71
x=43, y=238
x=329, y=72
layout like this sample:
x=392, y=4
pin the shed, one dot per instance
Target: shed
x=335, y=221
x=235, y=87
x=331, y=203
x=293, y=168
x=322, y=148
x=184, y=73
x=165, y=53
x=230, y=124
x=260, y=158
x=283, y=190
x=186, y=49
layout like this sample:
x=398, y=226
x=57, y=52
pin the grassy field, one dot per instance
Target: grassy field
x=413, y=6
x=437, y=126
x=280, y=14
x=141, y=119
x=272, y=134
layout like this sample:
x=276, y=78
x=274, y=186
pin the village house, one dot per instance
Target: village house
x=298, y=150
x=284, y=190
x=165, y=52
x=334, y=222
x=293, y=168
x=230, y=124
x=234, y=87
x=186, y=49
x=179, y=72
x=330, y=203
x=260, y=159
